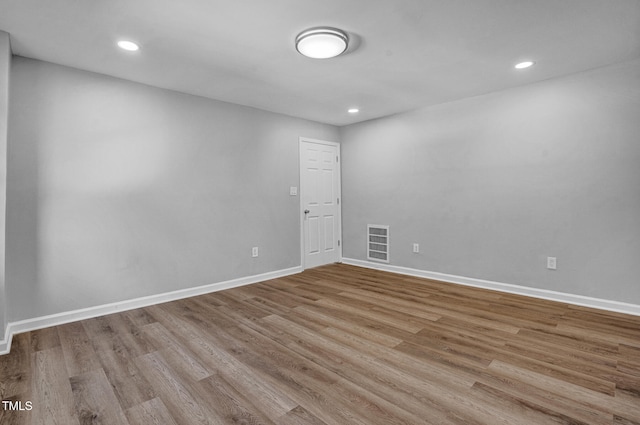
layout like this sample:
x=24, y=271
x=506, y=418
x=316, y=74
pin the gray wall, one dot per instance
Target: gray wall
x=492, y=185
x=118, y=190
x=5, y=64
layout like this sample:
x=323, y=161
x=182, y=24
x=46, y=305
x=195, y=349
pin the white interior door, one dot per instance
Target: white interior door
x=320, y=202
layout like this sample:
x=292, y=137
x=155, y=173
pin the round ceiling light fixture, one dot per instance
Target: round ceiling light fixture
x=129, y=46
x=322, y=42
x=523, y=65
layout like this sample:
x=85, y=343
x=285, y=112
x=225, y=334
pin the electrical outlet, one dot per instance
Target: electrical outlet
x=416, y=248
x=551, y=263
x=254, y=251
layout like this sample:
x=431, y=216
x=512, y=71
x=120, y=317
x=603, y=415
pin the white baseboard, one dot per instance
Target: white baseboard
x=88, y=313
x=580, y=300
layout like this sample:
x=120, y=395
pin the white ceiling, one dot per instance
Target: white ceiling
x=404, y=54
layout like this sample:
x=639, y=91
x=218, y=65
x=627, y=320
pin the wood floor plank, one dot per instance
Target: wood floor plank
x=180, y=359
x=333, y=345
x=361, y=367
x=299, y=416
x=411, y=308
x=268, y=397
x=232, y=405
x=79, y=354
x=588, y=397
x=297, y=375
x=15, y=378
x=625, y=404
x=427, y=369
x=203, y=317
x=371, y=407
x=525, y=410
x=51, y=390
x=240, y=307
x=151, y=412
x=130, y=387
x=367, y=310
x=130, y=334
x=569, y=375
x=555, y=353
x=95, y=401
x=628, y=368
x=369, y=329
x=171, y=315
x=560, y=404
x=15, y=368
x=278, y=362
x=619, y=420
x=321, y=401
x=267, y=305
x=174, y=392
x=13, y=417
x=43, y=339
x=139, y=317
x=566, y=338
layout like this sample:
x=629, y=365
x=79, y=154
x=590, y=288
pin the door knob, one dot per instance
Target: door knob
x=307, y=211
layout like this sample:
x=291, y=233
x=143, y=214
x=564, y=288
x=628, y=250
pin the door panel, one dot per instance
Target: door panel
x=319, y=197
x=329, y=231
x=313, y=234
x=328, y=197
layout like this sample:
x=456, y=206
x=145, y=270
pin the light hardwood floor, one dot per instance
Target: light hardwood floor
x=333, y=345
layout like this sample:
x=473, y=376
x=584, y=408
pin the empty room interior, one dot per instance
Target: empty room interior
x=336, y=212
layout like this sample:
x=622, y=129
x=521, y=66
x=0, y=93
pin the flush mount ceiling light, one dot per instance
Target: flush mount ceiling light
x=129, y=46
x=322, y=42
x=523, y=65
x=353, y=110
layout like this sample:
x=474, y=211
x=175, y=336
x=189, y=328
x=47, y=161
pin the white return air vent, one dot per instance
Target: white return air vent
x=378, y=243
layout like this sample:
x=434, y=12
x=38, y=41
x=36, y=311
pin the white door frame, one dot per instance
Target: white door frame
x=302, y=207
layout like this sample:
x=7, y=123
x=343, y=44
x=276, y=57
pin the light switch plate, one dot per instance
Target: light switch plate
x=293, y=191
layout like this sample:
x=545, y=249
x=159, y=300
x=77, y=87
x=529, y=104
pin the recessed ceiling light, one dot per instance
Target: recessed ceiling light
x=322, y=42
x=523, y=65
x=353, y=110
x=127, y=45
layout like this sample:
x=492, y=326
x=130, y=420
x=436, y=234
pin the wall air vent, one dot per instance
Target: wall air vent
x=378, y=243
